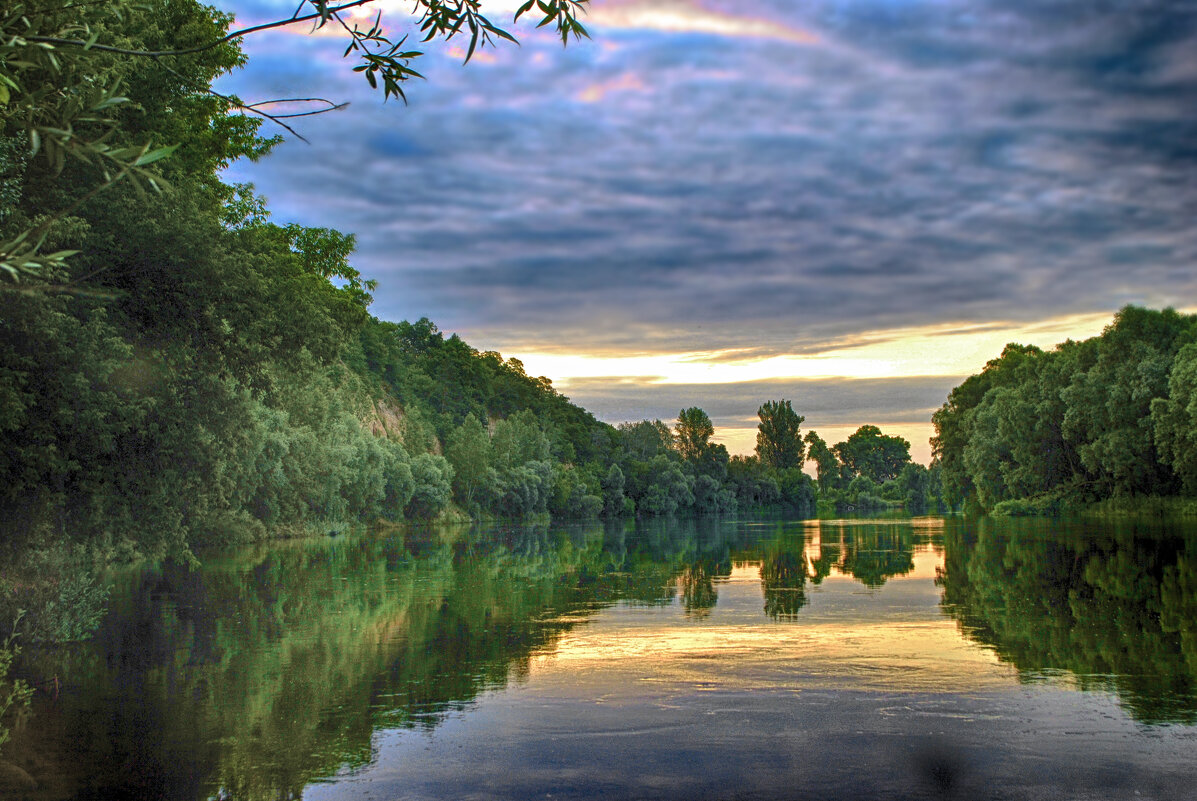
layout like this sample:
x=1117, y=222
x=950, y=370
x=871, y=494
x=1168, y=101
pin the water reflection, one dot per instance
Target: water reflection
x=1113, y=606
x=274, y=667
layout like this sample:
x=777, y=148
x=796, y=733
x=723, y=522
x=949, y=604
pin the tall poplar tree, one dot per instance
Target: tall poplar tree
x=779, y=435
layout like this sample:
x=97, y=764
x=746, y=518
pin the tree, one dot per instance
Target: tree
x=1175, y=420
x=645, y=439
x=827, y=464
x=869, y=453
x=693, y=433
x=62, y=66
x=518, y=440
x=1086, y=420
x=468, y=450
x=778, y=436
x=613, y=497
x=433, y=478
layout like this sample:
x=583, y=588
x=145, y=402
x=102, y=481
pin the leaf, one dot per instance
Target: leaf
x=524, y=9
x=59, y=255
x=154, y=155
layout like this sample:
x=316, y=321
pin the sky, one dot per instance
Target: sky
x=849, y=205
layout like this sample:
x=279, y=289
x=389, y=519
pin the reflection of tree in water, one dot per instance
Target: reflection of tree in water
x=783, y=580
x=697, y=583
x=271, y=667
x=829, y=557
x=871, y=554
x=265, y=670
x=1115, y=605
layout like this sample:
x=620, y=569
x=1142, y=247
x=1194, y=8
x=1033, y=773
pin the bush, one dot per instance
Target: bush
x=13, y=692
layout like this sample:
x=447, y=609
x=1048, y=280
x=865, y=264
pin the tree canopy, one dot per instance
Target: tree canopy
x=98, y=95
x=779, y=436
x=693, y=433
x=1107, y=417
x=873, y=455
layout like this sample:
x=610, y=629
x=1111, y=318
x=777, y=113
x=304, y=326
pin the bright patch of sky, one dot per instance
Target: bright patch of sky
x=752, y=197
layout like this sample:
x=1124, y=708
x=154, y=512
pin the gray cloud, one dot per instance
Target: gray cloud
x=923, y=162
x=824, y=402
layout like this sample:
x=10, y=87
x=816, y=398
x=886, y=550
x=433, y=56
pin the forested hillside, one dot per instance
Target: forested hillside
x=176, y=368
x=1114, y=416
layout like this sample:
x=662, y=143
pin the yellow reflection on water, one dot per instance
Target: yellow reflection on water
x=849, y=637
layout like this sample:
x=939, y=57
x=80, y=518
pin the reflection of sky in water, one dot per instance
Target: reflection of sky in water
x=847, y=637
x=868, y=693
x=661, y=658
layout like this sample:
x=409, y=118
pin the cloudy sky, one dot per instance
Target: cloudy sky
x=850, y=204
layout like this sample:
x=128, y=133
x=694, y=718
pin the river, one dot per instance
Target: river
x=709, y=659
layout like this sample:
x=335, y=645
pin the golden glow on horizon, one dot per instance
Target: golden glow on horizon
x=948, y=350
x=941, y=350
x=741, y=440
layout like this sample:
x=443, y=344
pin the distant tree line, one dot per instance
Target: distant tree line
x=516, y=447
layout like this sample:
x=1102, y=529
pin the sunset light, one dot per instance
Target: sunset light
x=939, y=350
x=534, y=399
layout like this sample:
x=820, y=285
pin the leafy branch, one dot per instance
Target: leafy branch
x=382, y=57
x=73, y=113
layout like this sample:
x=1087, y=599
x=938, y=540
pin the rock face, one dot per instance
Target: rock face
x=13, y=777
x=387, y=420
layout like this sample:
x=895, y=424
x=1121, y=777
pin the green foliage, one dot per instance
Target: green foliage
x=1174, y=419
x=517, y=440
x=613, y=497
x=798, y=491
x=14, y=693
x=433, y=486
x=55, y=593
x=576, y=494
x=468, y=450
x=753, y=483
x=89, y=115
x=73, y=81
x=667, y=489
x=779, y=438
x=827, y=464
x=873, y=455
x=645, y=439
x=197, y=374
x=1103, y=418
x=693, y=433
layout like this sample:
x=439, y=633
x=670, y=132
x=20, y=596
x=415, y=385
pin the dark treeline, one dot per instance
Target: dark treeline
x=1111, y=417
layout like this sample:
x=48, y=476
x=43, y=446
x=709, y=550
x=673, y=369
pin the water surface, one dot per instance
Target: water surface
x=925, y=658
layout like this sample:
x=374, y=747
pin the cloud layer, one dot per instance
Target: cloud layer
x=764, y=174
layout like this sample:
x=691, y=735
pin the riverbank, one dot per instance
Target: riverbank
x=1157, y=506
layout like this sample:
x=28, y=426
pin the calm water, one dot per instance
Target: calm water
x=717, y=659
